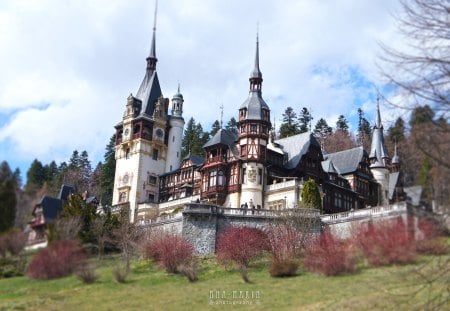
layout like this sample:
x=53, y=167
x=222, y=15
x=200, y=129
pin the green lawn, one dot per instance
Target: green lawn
x=386, y=288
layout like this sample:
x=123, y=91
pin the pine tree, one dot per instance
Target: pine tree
x=108, y=172
x=322, y=129
x=35, y=176
x=396, y=133
x=363, y=130
x=232, y=126
x=304, y=120
x=289, y=127
x=194, y=138
x=215, y=128
x=74, y=161
x=8, y=199
x=342, y=124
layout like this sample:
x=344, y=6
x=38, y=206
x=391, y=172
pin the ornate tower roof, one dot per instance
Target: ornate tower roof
x=150, y=90
x=395, y=158
x=255, y=103
x=378, y=154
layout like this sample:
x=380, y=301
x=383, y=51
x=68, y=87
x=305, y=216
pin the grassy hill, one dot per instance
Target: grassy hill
x=385, y=288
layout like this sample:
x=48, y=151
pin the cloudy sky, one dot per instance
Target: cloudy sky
x=67, y=67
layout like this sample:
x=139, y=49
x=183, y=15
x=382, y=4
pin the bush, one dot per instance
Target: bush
x=283, y=268
x=59, y=259
x=169, y=250
x=330, y=256
x=284, y=243
x=240, y=245
x=86, y=273
x=12, y=266
x=437, y=246
x=13, y=243
x=120, y=274
x=387, y=242
x=189, y=270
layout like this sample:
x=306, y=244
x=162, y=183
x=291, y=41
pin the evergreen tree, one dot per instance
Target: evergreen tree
x=342, y=124
x=289, y=127
x=363, y=130
x=396, y=133
x=232, y=126
x=322, y=129
x=75, y=161
x=215, y=128
x=96, y=181
x=108, y=172
x=304, y=120
x=86, y=169
x=194, y=138
x=310, y=195
x=35, y=176
x=51, y=172
x=8, y=199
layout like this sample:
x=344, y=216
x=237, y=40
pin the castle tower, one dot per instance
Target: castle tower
x=175, y=135
x=379, y=159
x=141, y=141
x=254, y=126
x=395, y=164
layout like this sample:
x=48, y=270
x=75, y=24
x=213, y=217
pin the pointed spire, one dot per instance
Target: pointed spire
x=378, y=153
x=395, y=158
x=151, y=59
x=256, y=73
x=378, y=117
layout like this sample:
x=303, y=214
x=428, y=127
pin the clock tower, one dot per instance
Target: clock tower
x=254, y=126
x=142, y=141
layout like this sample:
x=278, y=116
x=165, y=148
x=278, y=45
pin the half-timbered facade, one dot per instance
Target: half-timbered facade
x=246, y=168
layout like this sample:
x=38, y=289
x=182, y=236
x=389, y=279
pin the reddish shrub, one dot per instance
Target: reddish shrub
x=284, y=243
x=329, y=256
x=428, y=230
x=169, y=250
x=387, y=243
x=59, y=259
x=240, y=245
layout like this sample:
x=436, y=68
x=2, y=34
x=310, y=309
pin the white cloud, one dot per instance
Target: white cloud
x=68, y=66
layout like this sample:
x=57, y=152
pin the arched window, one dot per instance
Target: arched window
x=127, y=153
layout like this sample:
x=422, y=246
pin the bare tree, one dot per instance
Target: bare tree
x=421, y=71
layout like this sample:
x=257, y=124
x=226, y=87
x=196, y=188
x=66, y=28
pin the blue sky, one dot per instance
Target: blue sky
x=67, y=67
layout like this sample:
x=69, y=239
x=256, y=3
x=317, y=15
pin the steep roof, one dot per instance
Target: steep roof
x=295, y=147
x=346, y=161
x=51, y=207
x=149, y=92
x=393, y=179
x=223, y=137
x=328, y=167
x=65, y=191
x=378, y=153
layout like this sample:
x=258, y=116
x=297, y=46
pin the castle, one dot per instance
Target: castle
x=248, y=168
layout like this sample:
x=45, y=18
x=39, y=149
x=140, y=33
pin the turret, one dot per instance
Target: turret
x=254, y=126
x=379, y=158
x=176, y=123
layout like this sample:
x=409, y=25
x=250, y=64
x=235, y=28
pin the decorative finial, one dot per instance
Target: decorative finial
x=154, y=19
x=221, y=115
x=178, y=87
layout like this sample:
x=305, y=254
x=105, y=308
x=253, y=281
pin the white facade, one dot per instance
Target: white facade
x=174, y=147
